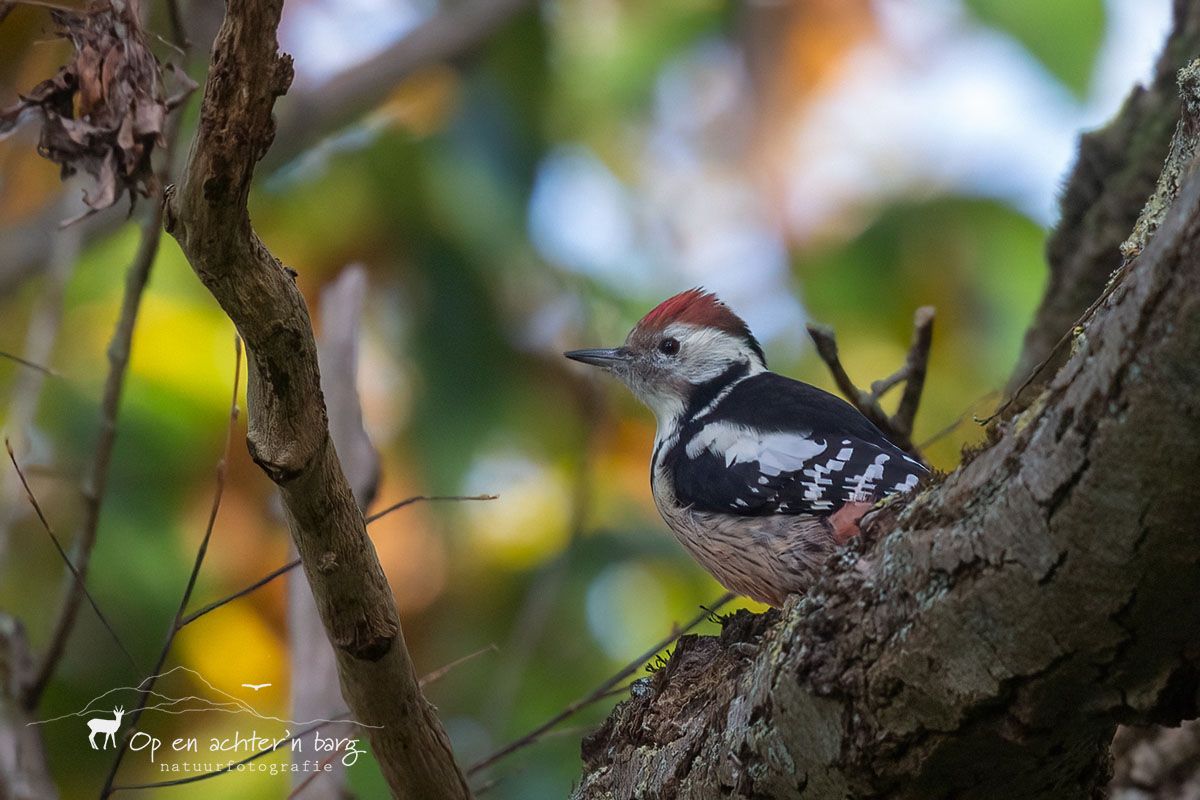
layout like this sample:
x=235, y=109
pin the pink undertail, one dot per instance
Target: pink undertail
x=845, y=521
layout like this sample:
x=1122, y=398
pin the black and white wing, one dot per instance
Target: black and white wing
x=778, y=446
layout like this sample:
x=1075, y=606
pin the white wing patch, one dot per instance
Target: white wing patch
x=796, y=472
x=776, y=452
x=862, y=486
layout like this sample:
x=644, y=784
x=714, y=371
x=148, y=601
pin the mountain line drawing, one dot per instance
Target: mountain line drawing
x=170, y=705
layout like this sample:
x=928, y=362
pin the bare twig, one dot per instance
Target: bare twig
x=441, y=672
x=97, y=481
x=45, y=321
x=433, y=498
x=915, y=367
x=288, y=427
x=118, y=355
x=599, y=692
x=291, y=565
x=245, y=590
x=827, y=348
x=29, y=699
x=31, y=365
x=147, y=684
x=956, y=422
x=897, y=427
x=1075, y=330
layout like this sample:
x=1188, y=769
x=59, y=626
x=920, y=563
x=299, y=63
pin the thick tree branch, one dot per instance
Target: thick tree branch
x=314, y=683
x=288, y=433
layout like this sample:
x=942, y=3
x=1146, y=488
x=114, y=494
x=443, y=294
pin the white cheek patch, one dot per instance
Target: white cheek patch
x=705, y=353
x=775, y=453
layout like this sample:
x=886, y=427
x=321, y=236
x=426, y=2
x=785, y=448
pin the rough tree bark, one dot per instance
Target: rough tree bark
x=1011, y=616
x=314, y=681
x=288, y=433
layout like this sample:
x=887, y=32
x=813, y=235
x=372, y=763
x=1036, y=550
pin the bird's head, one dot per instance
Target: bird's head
x=683, y=346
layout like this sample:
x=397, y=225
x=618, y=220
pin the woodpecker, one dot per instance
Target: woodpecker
x=759, y=476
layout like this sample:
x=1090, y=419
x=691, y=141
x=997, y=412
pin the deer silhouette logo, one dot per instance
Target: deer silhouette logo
x=106, y=726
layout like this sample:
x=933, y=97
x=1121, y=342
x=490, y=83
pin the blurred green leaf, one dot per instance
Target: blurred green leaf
x=1064, y=36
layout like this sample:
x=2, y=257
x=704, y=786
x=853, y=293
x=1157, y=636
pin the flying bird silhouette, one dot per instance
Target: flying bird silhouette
x=256, y=686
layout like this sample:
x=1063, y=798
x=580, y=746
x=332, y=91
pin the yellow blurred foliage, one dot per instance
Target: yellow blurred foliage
x=233, y=646
x=185, y=346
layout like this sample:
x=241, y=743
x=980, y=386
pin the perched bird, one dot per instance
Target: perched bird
x=759, y=476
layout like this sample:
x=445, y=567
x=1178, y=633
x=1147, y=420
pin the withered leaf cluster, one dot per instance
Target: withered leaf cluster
x=104, y=112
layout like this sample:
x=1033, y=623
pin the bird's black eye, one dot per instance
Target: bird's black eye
x=668, y=346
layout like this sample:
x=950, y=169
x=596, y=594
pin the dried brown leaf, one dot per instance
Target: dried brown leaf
x=105, y=111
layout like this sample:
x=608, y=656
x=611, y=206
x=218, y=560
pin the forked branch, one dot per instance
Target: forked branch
x=899, y=426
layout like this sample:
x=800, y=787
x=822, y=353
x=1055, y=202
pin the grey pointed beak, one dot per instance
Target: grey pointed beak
x=606, y=357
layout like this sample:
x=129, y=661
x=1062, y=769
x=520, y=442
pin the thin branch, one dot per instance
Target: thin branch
x=599, y=692
x=915, y=368
x=26, y=363
x=958, y=421
x=41, y=333
x=229, y=598
x=147, y=685
x=437, y=498
x=1075, y=330
x=441, y=672
x=291, y=565
x=826, y=343
x=881, y=387
x=897, y=427
x=118, y=356
x=29, y=701
x=119, y=349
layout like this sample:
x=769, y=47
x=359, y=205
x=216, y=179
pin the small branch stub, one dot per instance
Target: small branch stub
x=899, y=426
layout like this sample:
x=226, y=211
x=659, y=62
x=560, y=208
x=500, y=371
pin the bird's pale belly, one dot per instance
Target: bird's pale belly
x=764, y=557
